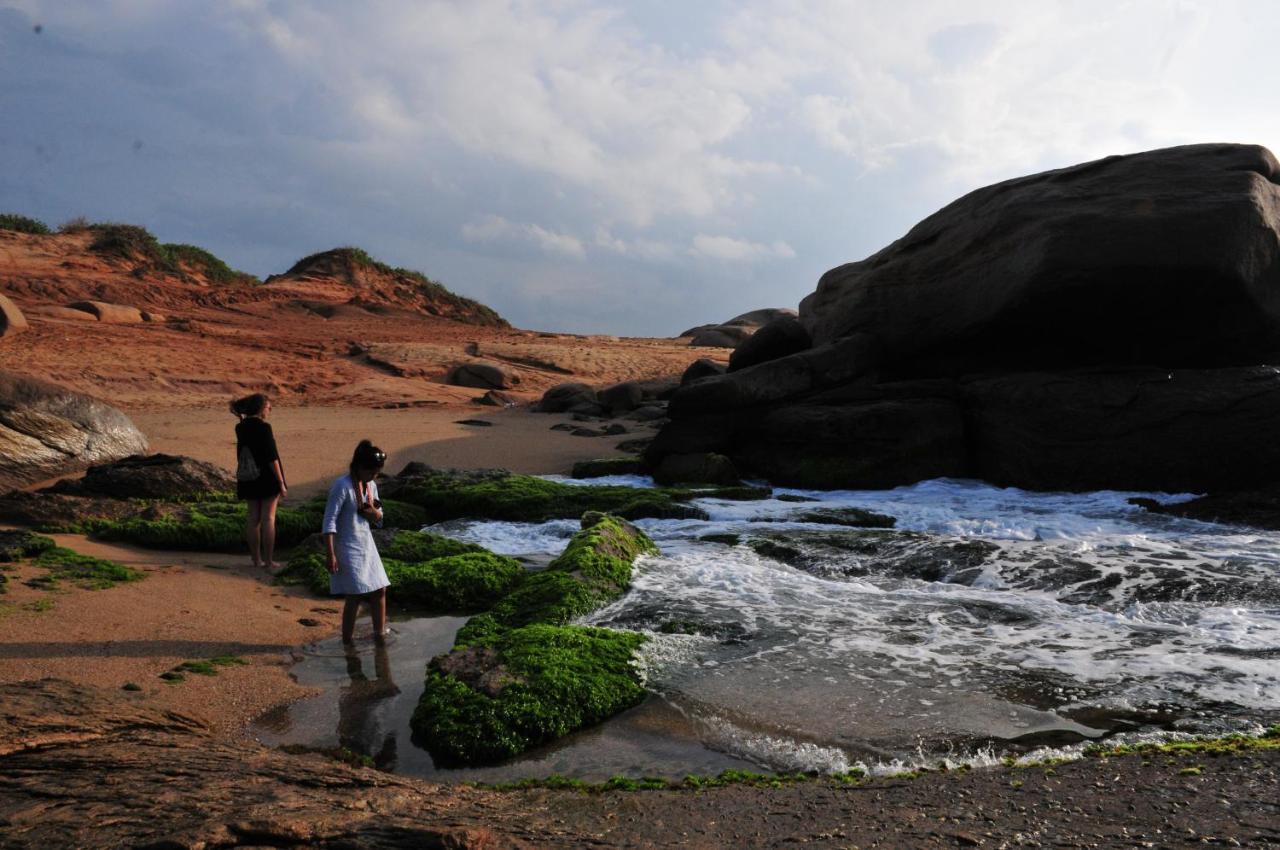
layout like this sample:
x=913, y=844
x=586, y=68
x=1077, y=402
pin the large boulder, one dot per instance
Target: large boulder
x=781, y=337
x=1099, y=326
x=737, y=330
x=1144, y=429
x=115, y=314
x=11, y=319
x=47, y=430
x=158, y=476
x=702, y=368
x=482, y=375
x=1169, y=257
x=571, y=397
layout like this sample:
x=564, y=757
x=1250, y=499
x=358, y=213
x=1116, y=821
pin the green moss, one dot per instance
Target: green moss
x=84, y=571
x=39, y=606
x=629, y=465
x=15, y=545
x=456, y=583
x=551, y=597
x=419, y=546
x=566, y=677
x=346, y=755
x=22, y=224
x=203, y=526
x=523, y=498
x=604, y=551
x=1228, y=745
x=205, y=666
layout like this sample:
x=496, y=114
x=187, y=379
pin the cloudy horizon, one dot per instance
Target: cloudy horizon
x=587, y=166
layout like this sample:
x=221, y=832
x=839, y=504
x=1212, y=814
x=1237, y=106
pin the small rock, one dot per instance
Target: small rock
x=309, y=622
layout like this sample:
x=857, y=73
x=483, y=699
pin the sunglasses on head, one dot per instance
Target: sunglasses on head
x=379, y=457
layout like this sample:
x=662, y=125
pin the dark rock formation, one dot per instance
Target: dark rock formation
x=1104, y=325
x=702, y=368
x=781, y=337
x=737, y=330
x=158, y=476
x=47, y=430
x=482, y=375
x=700, y=468
x=571, y=398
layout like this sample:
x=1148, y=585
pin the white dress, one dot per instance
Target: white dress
x=359, y=565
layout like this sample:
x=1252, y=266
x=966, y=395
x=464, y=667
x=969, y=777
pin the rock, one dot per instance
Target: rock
x=114, y=314
x=624, y=397
x=648, y=413
x=1258, y=508
x=608, y=466
x=482, y=375
x=720, y=336
x=614, y=430
x=22, y=544
x=703, y=468
x=47, y=430
x=495, y=398
x=11, y=319
x=148, y=316
x=779, y=338
x=475, y=423
x=702, y=368
x=565, y=397
x=589, y=432
x=158, y=476
x=1172, y=431
x=66, y=313
x=1168, y=257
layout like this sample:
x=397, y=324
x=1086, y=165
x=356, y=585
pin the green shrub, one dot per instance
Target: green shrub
x=182, y=257
x=22, y=224
x=564, y=678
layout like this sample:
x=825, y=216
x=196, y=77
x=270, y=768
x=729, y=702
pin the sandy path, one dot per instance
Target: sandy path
x=316, y=442
x=198, y=605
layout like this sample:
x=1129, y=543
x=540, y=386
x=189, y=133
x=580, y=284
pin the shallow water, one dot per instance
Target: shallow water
x=987, y=621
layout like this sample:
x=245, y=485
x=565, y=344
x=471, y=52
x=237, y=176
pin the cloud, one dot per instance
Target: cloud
x=495, y=228
x=732, y=250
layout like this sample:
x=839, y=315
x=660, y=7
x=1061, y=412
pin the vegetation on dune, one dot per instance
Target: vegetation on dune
x=523, y=498
x=425, y=286
x=562, y=678
x=518, y=677
x=137, y=244
x=22, y=224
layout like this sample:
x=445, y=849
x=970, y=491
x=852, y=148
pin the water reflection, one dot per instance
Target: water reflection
x=366, y=716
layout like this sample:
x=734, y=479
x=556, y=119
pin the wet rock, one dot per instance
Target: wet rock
x=622, y=398
x=113, y=314
x=11, y=319
x=496, y=398
x=1258, y=508
x=483, y=375
x=647, y=413
x=157, y=476
x=475, y=423
x=701, y=468
x=47, y=430
x=607, y=466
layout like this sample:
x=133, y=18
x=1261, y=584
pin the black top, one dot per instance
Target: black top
x=256, y=435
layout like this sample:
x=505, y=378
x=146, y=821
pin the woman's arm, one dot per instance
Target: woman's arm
x=279, y=471
x=273, y=455
x=329, y=525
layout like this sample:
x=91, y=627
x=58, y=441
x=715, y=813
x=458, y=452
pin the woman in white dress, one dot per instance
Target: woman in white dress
x=355, y=569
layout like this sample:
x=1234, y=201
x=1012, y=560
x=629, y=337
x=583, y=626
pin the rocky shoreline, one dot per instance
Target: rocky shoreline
x=85, y=768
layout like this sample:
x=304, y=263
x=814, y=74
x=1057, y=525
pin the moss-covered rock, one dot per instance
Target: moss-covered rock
x=550, y=681
x=15, y=545
x=204, y=526
x=83, y=570
x=629, y=465
x=428, y=573
x=523, y=498
x=517, y=676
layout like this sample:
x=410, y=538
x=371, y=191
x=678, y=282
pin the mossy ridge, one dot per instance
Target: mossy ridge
x=524, y=498
x=604, y=550
x=84, y=571
x=137, y=244
x=568, y=677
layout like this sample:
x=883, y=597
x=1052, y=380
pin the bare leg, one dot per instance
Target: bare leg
x=253, y=530
x=350, y=609
x=269, y=531
x=378, y=612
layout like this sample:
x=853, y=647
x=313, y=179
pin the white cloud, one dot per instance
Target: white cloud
x=733, y=250
x=495, y=228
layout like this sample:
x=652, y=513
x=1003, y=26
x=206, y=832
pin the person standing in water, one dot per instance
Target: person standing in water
x=259, y=476
x=355, y=568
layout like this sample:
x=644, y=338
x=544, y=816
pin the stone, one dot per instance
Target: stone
x=565, y=397
x=11, y=319
x=720, y=336
x=148, y=316
x=648, y=413
x=157, y=476
x=702, y=468
x=66, y=313
x=1173, y=431
x=114, y=314
x=781, y=337
x=1169, y=257
x=702, y=368
x=496, y=398
x=47, y=430
x=623, y=397
x=482, y=375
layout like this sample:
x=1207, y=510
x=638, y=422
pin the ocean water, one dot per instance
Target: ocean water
x=987, y=622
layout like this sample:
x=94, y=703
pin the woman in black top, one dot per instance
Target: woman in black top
x=259, y=476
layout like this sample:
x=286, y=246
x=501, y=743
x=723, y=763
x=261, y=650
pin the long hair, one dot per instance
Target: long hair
x=250, y=405
x=367, y=456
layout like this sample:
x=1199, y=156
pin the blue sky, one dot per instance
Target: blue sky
x=587, y=166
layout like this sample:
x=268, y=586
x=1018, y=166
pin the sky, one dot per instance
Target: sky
x=595, y=167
